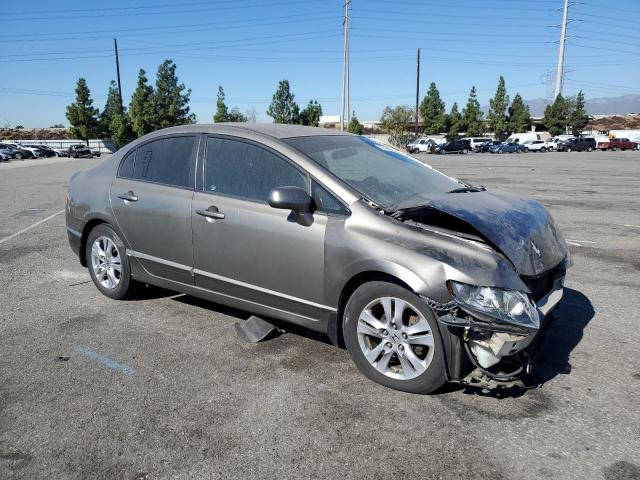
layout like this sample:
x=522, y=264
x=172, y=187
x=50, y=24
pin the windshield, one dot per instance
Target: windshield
x=380, y=173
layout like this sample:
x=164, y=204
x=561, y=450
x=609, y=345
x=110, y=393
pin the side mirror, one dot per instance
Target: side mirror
x=295, y=199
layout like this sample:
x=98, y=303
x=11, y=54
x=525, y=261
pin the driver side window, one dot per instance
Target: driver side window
x=244, y=170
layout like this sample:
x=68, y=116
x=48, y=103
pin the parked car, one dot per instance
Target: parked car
x=35, y=151
x=79, y=150
x=507, y=147
x=455, y=146
x=60, y=151
x=19, y=153
x=537, y=146
x=577, y=144
x=475, y=142
x=44, y=151
x=421, y=145
x=617, y=144
x=484, y=147
x=95, y=152
x=552, y=143
x=426, y=278
x=6, y=154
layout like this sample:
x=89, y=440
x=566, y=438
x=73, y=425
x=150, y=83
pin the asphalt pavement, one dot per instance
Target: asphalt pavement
x=162, y=387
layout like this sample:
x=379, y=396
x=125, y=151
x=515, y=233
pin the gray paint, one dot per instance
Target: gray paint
x=283, y=269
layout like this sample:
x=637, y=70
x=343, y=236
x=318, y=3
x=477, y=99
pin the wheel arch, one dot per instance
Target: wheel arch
x=90, y=224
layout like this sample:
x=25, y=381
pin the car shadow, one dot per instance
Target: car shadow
x=561, y=336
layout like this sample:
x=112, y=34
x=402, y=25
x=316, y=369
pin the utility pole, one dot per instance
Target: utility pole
x=346, y=99
x=417, y=87
x=563, y=37
x=115, y=45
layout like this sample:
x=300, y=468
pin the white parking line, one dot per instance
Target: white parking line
x=19, y=232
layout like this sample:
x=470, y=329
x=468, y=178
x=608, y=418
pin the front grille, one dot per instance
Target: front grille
x=540, y=285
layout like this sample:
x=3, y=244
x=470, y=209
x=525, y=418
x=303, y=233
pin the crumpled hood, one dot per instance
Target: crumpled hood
x=522, y=229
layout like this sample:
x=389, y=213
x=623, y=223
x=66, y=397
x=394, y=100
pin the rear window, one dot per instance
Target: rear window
x=168, y=161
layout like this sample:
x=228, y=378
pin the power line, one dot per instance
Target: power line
x=151, y=11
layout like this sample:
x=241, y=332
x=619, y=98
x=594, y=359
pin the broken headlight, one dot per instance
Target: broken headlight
x=508, y=306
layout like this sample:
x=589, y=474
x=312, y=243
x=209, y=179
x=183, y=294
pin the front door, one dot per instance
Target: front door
x=245, y=249
x=151, y=201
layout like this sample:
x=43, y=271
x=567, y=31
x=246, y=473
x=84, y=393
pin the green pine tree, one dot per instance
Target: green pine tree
x=519, y=116
x=221, y=107
x=283, y=108
x=112, y=107
x=454, y=122
x=556, y=116
x=497, y=116
x=141, y=108
x=171, y=100
x=81, y=114
x=472, y=116
x=355, y=126
x=120, y=129
x=310, y=116
x=578, y=118
x=432, y=111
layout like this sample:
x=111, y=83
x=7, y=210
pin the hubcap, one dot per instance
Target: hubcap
x=395, y=338
x=106, y=262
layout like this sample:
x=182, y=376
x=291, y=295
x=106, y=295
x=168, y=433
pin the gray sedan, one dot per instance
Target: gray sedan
x=425, y=279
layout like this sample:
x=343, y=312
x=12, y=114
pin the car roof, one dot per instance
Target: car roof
x=274, y=130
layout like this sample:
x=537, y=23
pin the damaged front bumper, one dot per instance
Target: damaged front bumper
x=492, y=354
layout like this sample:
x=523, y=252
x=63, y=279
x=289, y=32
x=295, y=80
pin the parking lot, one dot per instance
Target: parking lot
x=162, y=387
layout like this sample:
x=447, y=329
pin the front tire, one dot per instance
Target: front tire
x=393, y=338
x=108, y=263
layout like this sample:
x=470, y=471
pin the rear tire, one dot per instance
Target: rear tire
x=543, y=149
x=105, y=253
x=410, y=357
x=589, y=149
x=569, y=149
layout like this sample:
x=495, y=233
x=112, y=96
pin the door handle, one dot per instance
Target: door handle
x=211, y=212
x=128, y=197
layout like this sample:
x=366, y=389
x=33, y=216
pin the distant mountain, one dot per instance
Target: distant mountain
x=595, y=106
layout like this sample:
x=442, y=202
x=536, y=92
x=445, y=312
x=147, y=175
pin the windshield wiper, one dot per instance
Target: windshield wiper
x=466, y=189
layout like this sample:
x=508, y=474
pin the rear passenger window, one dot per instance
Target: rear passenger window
x=326, y=202
x=247, y=171
x=167, y=160
x=126, y=167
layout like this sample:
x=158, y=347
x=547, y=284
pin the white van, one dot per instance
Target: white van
x=522, y=137
x=477, y=141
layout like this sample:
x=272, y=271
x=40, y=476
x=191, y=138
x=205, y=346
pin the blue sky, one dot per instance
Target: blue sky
x=247, y=46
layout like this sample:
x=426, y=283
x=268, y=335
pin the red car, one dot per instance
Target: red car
x=617, y=144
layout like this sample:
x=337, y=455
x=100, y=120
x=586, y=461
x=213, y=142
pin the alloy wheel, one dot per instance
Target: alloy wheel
x=106, y=262
x=395, y=338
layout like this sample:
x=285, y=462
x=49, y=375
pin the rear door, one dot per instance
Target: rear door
x=151, y=201
x=247, y=249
